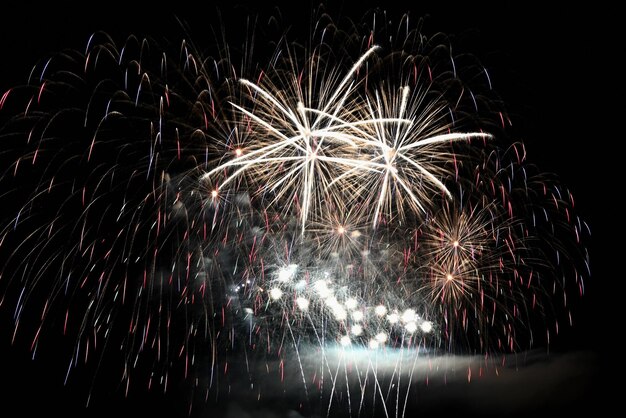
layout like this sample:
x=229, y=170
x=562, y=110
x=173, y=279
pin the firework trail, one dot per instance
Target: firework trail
x=167, y=210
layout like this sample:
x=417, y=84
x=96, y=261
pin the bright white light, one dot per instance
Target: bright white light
x=393, y=318
x=321, y=287
x=351, y=303
x=303, y=303
x=332, y=302
x=340, y=313
x=409, y=316
x=411, y=327
x=426, y=326
x=345, y=341
x=380, y=310
x=373, y=344
x=287, y=273
x=356, y=330
x=357, y=315
x=276, y=293
x=381, y=337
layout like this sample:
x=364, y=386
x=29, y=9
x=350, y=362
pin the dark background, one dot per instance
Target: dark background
x=555, y=68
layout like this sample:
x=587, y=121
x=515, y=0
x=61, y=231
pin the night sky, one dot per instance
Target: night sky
x=546, y=65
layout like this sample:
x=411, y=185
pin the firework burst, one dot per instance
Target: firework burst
x=181, y=212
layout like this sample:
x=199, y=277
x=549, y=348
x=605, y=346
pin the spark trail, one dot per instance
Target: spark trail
x=350, y=198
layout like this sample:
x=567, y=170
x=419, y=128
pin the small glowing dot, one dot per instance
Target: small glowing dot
x=411, y=327
x=449, y=277
x=214, y=193
x=351, y=303
x=303, y=303
x=373, y=344
x=455, y=243
x=381, y=337
x=276, y=293
x=356, y=330
x=322, y=288
x=341, y=230
x=339, y=312
x=238, y=152
x=357, y=315
x=332, y=302
x=248, y=311
x=355, y=234
x=320, y=285
x=393, y=318
x=380, y=310
x=409, y=316
x=426, y=326
x=286, y=273
x=345, y=341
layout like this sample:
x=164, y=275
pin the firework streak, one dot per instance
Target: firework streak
x=171, y=211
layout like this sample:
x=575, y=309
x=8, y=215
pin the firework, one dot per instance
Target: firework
x=350, y=195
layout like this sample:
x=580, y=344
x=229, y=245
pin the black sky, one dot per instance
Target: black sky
x=552, y=67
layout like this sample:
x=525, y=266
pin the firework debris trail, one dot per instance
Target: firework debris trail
x=303, y=217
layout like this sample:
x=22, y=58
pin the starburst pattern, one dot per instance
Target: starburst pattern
x=176, y=210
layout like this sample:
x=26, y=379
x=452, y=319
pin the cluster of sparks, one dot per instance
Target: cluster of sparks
x=187, y=211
